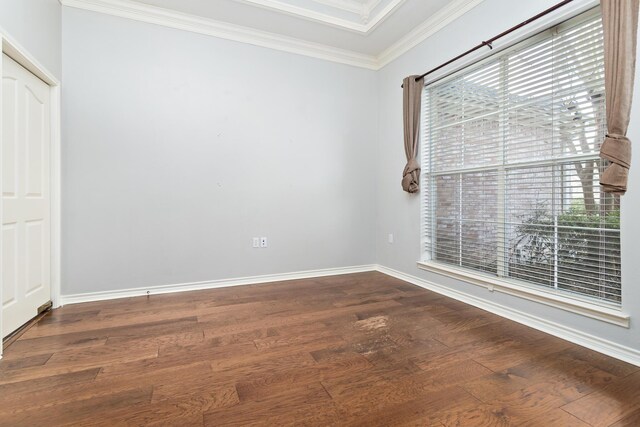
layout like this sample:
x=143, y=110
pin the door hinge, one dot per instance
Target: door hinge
x=45, y=307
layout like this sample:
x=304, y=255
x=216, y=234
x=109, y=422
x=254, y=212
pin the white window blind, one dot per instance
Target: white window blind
x=511, y=168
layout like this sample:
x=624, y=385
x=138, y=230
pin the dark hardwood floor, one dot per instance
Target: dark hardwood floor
x=362, y=349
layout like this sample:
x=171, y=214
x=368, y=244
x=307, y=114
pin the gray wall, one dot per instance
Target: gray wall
x=179, y=148
x=399, y=213
x=36, y=25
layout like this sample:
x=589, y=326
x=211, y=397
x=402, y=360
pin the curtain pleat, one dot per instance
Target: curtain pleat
x=412, y=95
x=620, y=25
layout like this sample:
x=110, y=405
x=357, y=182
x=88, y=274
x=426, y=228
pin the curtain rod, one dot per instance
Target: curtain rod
x=492, y=39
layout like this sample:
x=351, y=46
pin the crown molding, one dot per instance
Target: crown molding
x=439, y=20
x=368, y=25
x=182, y=21
x=187, y=22
x=352, y=6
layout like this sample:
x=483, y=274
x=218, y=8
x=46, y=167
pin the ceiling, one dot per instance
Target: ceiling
x=357, y=15
x=367, y=33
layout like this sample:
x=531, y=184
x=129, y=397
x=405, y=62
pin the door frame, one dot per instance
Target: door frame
x=14, y=50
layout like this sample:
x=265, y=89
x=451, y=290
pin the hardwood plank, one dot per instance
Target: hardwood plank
x=573, y=378
x=309, y=317
x=61, y=317
x=477, y=329
x=78, y=412
x=96, y=336
x=491, y=387
x=104, y=355
x=206, y=394
x=178, y=338
x=528, y=403
x=423, y=409
x=367, y=297
x=12, y=363
x=35, y=373
x=109, y=322
x=178, y=414
x=271, y=360
x=308, y=404
x=241, y=337
x=511, y=352
x=434, y=303
x=598, y=360
x=612, y=403
x=326, y=337
x=101, y=386
x=44, y=345
x=556, y=417
x=475, y=414
x=48, y=383
x=630, y=420
x=400, y=388
x=258, y=386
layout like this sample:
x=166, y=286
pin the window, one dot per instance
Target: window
x=511, y=168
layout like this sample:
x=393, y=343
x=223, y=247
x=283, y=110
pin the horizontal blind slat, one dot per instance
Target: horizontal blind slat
x=525, y=127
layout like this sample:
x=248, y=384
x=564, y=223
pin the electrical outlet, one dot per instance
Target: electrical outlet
x=390, y=238
x=256, y=242
x=263, y=242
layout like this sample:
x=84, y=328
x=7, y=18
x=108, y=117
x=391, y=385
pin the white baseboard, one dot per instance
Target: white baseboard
x=592, y=342
x=210, y=284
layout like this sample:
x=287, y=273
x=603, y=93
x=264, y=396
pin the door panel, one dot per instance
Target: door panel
x=35, y=142
x=34, y=240
x=25, y=195
x=9, y=139
x=9, y=264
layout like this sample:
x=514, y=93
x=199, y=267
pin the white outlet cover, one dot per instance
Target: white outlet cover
x=256, y=242
x=263, y=242
x=390, y=237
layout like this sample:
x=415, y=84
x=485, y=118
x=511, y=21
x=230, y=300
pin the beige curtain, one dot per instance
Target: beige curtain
x=620, y=24
x=412, y=95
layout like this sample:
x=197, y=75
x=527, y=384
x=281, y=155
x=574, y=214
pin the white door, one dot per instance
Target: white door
x=25, y=195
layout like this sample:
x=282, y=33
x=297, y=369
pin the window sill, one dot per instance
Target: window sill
x=548, y=297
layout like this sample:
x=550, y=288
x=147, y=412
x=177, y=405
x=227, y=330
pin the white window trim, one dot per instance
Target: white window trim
x=598, y=310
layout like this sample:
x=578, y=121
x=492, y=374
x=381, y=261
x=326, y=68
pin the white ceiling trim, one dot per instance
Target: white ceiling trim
x=439, y=20
x=363, y=12
x=182, y=21
x=352, y=6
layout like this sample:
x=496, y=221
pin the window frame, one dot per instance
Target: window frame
x=598, y=309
